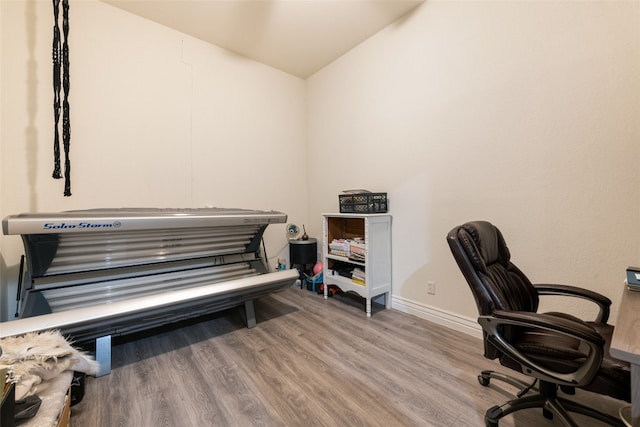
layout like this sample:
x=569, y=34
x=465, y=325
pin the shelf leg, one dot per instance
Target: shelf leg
x=368, y=307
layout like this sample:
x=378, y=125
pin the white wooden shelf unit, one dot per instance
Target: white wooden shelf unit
x=376, y=230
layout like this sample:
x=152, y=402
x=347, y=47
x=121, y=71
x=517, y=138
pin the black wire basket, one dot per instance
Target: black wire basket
x=363, y=203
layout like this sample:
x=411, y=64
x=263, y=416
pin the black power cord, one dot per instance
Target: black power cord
x=19, y=293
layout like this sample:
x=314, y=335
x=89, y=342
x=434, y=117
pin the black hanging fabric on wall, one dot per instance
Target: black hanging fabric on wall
x=56, y=90
x=60, y=55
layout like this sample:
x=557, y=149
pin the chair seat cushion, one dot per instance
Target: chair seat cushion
x=565, y=354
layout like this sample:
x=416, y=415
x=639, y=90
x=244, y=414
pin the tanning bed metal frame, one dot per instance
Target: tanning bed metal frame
x=97, y=273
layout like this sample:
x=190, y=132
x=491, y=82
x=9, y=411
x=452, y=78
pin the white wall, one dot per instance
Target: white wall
x=158, y=119
x=2, y=166
x=522, y=113
x=526, y=114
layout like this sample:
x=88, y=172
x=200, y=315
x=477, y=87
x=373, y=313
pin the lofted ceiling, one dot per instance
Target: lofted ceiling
x=296, y=36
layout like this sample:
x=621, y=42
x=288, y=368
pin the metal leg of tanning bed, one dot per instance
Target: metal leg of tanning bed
x=103, y=355
x=249, y=316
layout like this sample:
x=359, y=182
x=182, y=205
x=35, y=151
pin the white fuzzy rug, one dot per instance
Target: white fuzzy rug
x=38, y=357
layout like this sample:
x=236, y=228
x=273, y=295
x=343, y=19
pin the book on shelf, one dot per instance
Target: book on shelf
x=353, y=249
x=358, y=276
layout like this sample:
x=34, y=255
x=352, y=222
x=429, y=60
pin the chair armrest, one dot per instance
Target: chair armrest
x=562, y=325
x=578, y=330
x=600, y=300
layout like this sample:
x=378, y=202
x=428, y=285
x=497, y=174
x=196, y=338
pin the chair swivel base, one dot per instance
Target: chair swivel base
x=485, y=377
x=547, y=399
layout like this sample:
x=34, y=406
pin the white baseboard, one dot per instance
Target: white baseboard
x=450, y=320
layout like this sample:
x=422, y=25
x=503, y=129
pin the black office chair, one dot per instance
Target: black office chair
x=558, y=350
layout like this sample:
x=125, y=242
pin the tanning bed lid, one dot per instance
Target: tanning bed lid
x=130, y=219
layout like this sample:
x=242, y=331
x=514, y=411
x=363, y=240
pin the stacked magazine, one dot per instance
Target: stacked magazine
x=357, y=276
x=354, y=249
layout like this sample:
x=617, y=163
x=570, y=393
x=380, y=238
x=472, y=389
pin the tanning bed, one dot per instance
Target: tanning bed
x=98, y=273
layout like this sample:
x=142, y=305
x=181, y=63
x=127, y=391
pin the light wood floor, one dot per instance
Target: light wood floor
x=308, y=362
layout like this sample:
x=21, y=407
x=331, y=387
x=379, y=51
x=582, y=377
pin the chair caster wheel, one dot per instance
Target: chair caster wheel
x=492, y=416
x=483, y=380
x=547, y=414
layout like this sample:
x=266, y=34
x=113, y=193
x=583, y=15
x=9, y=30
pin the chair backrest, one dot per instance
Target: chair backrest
x=496, y=283
x=484, y=259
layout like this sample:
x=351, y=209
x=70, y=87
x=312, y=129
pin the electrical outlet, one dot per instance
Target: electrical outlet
x=431, y=288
